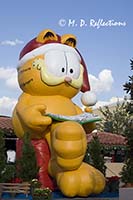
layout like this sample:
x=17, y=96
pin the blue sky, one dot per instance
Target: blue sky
x=107, y=50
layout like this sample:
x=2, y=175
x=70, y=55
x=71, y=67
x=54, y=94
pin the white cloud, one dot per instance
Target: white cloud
x=6, y=72
x=11, y=42
x=10, y=77
x=113, y=100
x=103, y=83
x=7, y=105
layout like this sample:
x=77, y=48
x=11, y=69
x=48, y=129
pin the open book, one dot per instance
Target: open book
x=81, y=118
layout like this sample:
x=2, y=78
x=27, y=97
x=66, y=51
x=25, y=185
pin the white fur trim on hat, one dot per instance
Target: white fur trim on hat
x=45, y=48
x=88, y=98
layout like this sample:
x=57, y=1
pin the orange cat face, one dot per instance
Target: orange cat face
x=51, y=67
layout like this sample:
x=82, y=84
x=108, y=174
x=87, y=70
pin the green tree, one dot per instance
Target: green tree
x=114, y=121
x=127, y=171
x=6, y=171
x=94, y=154
x=128, y=86
x=27, y=164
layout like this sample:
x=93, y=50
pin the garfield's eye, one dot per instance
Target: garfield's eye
x=71, y=71
x=73, y=68
x=63, y=69
x=55, y=63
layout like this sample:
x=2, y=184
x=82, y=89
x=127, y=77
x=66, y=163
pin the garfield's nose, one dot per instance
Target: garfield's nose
x=68, y=79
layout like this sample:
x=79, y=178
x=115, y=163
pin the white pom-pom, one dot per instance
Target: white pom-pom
x=88, y=98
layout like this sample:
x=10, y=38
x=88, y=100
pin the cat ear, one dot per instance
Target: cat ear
x=69, y=40
x=46, y=35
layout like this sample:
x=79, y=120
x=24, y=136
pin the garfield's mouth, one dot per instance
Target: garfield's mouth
x=67, y=84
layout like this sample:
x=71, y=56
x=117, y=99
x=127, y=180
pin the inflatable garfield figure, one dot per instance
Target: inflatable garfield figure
x=51, y=72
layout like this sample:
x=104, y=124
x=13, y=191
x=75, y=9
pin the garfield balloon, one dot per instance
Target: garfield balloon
x=51, y=71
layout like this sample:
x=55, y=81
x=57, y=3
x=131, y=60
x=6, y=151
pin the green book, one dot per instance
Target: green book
x=81, y=118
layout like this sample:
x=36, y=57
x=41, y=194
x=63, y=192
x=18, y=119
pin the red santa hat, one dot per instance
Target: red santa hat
x=45, y=41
